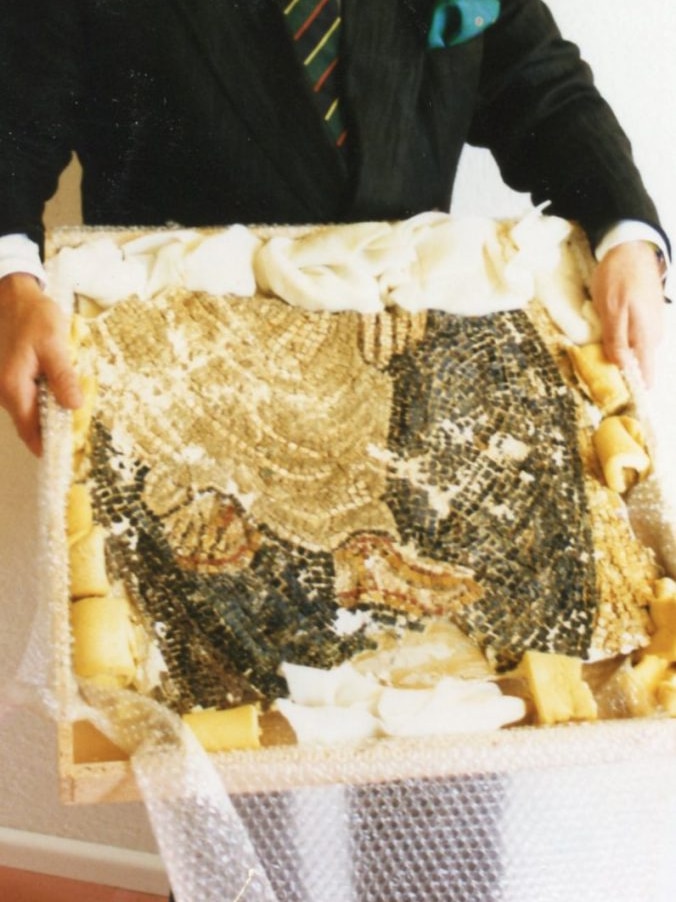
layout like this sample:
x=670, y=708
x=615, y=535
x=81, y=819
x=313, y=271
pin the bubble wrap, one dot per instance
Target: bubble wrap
x=585, y=812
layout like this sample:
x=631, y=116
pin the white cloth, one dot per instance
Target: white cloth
x=19, y=254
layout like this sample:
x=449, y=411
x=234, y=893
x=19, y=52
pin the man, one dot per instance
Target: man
x=201, y=113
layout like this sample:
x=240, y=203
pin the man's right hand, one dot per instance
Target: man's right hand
x=33, y=344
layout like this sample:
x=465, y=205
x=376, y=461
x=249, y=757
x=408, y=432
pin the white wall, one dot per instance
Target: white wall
x=630, y=45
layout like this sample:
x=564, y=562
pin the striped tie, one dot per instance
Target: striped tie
x=315, y=26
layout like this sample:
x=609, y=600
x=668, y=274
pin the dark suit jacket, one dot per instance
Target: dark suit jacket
x=198, y=112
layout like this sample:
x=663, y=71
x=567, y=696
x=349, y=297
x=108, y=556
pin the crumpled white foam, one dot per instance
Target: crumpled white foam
x=97, y=270
x=470, y=267
x=328, y=725
x=325, y=269
x=462, y=267
x=337, y=287
x=336, y=245
x=342, y=685
x=223, y=263
x=165, y=268
x=559, y=274
x=452, y=706
x=343, y=705
x=107, y=271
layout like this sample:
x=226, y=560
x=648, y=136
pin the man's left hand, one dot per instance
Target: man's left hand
x=628, y=295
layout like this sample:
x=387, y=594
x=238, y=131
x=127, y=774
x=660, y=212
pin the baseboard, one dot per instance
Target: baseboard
x=77, y=860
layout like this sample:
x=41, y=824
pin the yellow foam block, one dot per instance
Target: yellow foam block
x=558, y=690
x=103, y=640
x=79, y=517
x=620, y=446
x=87, y=560
x=219, y=731
x=600, y=379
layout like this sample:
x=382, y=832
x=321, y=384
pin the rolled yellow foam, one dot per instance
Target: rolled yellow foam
x=79, y=517
x=87, y=558
x=620, y=446
x=219, y=731
x=103, y=640
x=600, y=379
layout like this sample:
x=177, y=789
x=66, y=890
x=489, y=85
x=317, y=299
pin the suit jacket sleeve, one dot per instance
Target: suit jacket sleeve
x=38, y=104
x=549, y=129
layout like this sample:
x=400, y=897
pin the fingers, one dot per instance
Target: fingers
x=19, y=396
x=625, y=340
x=616, y=336
x=644, y=343
x=19, y=392
x=61, y=380
x=628, y=295
x=33, y=344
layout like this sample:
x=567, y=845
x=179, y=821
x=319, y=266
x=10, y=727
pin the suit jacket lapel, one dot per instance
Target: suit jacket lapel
x=249, y=52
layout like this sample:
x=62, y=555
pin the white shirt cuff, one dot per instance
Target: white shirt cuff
x=19, y=254
x=631, y=230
